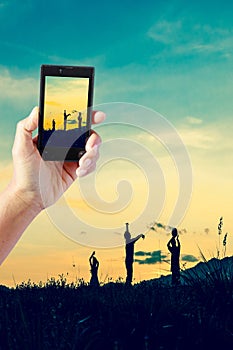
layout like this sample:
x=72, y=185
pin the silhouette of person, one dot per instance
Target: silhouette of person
x=174, y=248
x=129, y=250
x=94, y=264
x=79, y=120
x=65, y=118
x=54, y=125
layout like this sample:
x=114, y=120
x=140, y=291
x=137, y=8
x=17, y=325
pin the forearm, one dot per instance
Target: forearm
x=15, y=216
x=137, y=238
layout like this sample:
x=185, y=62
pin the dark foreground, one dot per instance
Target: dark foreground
x=146, y=316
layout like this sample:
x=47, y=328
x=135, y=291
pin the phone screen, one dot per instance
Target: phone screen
x=65, y=108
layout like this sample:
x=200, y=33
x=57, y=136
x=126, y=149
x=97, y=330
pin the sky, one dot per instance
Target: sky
x=163, y=75
x=65, y=94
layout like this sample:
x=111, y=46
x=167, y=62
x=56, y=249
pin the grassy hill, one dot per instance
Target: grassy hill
x=150, y=315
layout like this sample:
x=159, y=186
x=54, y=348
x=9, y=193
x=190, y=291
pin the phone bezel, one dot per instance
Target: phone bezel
x=62, y=153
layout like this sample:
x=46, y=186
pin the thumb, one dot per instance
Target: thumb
x=31, y=122
x=23, y=144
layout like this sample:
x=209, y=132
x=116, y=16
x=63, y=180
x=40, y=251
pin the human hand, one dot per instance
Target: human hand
x=40, y=183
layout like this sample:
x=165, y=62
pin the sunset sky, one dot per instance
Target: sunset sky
x=65, y=94
x=163, y=75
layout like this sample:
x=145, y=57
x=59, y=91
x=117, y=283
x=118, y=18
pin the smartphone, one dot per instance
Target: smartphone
x=65, y=107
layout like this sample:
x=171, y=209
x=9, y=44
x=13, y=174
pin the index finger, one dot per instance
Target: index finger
x=98, y=117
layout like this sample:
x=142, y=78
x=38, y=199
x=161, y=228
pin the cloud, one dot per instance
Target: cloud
x=189, y=258
x=183, y=38
x=154, y=225
x=182, y=231
x=52, y=103
x=83, y=233
x=159, y=225
x=151, y=257
x=17, y=89
x=197, y=138
x=214, y=136
x=147, y=261
x=117, y=233
x=142, y=253
x=193, y=120
x=165, y=32
x=71, y=121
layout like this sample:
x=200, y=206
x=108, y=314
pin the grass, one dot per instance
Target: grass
x=146, y=316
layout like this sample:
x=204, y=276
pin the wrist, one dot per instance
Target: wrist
x=25, y=200
x=16, y=214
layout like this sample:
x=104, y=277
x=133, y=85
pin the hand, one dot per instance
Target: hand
x=40, y=183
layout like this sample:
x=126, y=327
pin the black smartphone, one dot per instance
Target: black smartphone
x=65, y=107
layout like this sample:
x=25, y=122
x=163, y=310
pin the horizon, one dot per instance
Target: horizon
x=108, y=279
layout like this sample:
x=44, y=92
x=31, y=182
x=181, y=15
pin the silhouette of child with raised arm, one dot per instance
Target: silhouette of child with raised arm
x=129, y=250
x=65, y=118
x=94, y=264
x=174, y=248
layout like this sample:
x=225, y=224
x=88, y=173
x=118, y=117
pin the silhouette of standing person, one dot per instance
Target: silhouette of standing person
x=79, y=120
x=174, y=248
x=129, y=250
x=54, y=125
x=65, y=118
x=94, y=264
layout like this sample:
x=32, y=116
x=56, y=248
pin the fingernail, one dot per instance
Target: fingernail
x=34, y=110
x=81, y=172
x=100, y=117
x=29, y=123
x=32, y=115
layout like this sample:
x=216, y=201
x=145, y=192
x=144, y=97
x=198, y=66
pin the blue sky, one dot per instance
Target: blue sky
x=167, y=46
x=174, y=57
